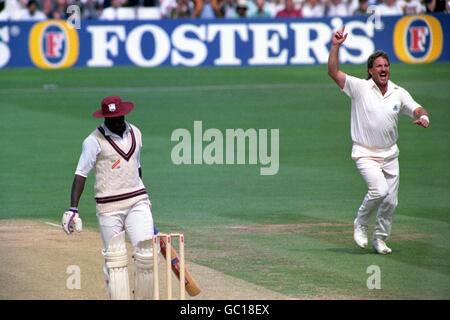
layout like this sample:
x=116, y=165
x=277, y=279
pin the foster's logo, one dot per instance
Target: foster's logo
x=418, y=39
x=53, y=44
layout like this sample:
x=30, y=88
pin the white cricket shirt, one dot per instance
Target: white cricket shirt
x=91, y=148
x=374, y=117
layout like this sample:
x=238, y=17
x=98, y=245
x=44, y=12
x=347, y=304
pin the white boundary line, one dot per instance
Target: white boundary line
x=53, y=224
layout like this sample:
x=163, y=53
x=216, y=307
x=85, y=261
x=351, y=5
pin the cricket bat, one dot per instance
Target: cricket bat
x=190, y=284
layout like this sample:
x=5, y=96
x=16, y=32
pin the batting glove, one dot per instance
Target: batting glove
x=70, y=217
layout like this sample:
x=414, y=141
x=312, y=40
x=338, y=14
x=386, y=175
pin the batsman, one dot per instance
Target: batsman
x=122, y=204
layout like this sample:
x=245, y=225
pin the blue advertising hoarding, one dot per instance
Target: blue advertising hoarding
x=221, y=42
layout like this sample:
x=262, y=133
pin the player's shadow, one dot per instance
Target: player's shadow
x=356, y=251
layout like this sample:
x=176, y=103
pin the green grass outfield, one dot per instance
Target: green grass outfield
x=290, y=232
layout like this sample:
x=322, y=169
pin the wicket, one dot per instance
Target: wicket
x=168, y=237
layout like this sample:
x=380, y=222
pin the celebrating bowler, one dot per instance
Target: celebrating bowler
x=376, y=104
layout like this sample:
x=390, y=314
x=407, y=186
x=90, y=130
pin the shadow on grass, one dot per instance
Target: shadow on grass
x=355, y=251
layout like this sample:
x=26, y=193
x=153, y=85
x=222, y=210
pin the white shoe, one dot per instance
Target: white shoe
x=360, y=234
x=380, y=246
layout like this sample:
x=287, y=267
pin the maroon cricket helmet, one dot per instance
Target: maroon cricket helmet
x=113, y=106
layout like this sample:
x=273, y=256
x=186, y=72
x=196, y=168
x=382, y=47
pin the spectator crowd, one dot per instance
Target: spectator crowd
x=36, y=10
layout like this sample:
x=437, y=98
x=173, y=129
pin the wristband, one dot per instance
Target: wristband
x=425, y=117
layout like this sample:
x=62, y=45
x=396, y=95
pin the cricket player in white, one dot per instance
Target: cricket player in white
x=375, y=108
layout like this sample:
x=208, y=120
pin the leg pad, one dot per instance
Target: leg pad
x=116, y=259
x=143, y=266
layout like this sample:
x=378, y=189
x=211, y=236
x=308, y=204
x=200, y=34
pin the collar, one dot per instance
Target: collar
x=391, y=87
x=372, y=83
x=110, y=133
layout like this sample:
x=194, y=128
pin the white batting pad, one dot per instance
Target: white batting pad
x=143, y=265
x=117, y=263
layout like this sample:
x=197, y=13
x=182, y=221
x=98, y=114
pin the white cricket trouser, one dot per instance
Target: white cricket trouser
x=380, y=171
x=137, y=221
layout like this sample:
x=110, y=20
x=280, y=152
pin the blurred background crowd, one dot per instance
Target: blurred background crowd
x=36, y=10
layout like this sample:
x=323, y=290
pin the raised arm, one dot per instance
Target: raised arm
x=333, y=60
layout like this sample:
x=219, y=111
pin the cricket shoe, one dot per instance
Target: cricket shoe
x=380, y=246
x=360, y=234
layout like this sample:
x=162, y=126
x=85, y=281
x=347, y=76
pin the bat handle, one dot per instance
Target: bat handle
x=155, y=231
